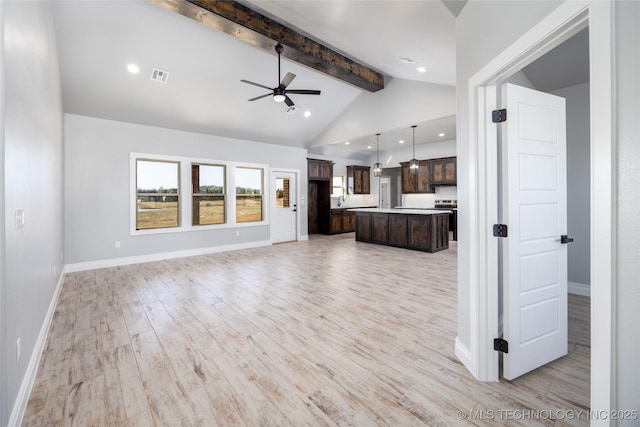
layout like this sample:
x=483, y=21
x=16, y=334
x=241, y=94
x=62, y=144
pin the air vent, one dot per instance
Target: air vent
x=159, y=76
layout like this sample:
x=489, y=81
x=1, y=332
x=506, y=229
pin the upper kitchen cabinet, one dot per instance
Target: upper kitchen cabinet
x=358, y=179
x=443, y=171
x=419, y=182
x=319, y=170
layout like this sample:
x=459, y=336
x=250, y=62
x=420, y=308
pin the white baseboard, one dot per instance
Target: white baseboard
x=115, y=262
x=17, y=413
x=303, y=237
x=579, y=289
x=464, y=355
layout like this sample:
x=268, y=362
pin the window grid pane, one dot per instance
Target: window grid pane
x=157, y=194
x=208, y=187
x=249, y=191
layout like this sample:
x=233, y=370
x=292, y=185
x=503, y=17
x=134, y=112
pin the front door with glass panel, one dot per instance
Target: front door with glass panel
x=284, y=207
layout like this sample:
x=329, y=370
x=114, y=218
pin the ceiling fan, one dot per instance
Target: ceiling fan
x=280, y=92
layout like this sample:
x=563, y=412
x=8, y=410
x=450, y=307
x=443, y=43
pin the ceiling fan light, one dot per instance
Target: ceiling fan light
x=279, y=98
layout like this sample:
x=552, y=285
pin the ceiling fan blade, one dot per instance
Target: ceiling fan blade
x=304, y=92
x=288, y=101
x=256, y=84
x=260, y=97
x=287, y=80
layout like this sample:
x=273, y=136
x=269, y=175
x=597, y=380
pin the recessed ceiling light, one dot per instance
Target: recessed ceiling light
x=307, y=113
x=133, y=68
x=405, y=60
x=441, y=134
x=368, y=147
x=401, y=141
x=422, y=69
x=347, y=143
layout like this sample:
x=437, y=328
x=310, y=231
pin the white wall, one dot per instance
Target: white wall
x=33, y=169
x=97, y=198
x=483, y=30
x=578, y=185
x=627, y=123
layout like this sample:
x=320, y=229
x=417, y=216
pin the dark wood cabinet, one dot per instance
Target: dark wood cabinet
x=398, y=230
x=419, y=182
x=359, y=179
x=320, y=174
x=363, y=227
x=342, y=221
x=431, y=173
x=336, y=221
x=380, y=228
x=444, y=171
x=348, y=221
x=319, y=170
x=429, y=233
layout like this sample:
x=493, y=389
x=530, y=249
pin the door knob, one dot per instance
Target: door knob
x=564, y=239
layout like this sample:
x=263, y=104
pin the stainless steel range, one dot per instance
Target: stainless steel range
x=451, y=205
x=446, y=204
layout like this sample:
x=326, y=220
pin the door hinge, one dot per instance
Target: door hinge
x=500, y=230
x=501, y=345
x=499, y=116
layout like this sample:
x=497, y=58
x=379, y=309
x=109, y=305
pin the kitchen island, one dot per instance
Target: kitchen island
x=418, y=229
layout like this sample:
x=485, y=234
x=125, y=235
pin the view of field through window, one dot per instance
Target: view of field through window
x=157, y=195
x=208, y=183
x=249, y=183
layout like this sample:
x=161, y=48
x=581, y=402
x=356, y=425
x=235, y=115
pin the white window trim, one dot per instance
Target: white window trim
x=185, y=208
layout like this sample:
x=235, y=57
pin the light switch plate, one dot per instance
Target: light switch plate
x=19, y=218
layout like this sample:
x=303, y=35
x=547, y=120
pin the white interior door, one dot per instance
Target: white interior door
x=535, y=211
x=385, y=192
x=284, y=207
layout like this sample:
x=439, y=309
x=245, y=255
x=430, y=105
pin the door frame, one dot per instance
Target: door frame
x=558, y=26
x=272, y=176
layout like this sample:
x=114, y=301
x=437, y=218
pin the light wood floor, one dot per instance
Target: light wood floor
x=318, y=333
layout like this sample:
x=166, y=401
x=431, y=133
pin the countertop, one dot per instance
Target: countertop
x=402, y=211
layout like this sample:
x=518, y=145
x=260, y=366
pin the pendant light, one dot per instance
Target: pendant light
x=377, y=167
x=413, y=163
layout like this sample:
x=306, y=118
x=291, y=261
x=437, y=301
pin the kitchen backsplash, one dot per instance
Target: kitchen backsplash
x=428, y=200
x=355, y=200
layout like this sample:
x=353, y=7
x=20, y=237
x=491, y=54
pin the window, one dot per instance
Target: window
x=157, y=195
x=158, y=181
x=337, y=189
x=208, y=189
x=283, y=199
x=249, y=184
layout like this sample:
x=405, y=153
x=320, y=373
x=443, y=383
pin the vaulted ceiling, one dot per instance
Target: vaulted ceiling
x=203, y=93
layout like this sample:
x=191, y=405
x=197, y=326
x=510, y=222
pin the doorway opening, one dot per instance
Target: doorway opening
x=564, y=22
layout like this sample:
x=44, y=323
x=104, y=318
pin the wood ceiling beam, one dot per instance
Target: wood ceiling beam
x=250, y=26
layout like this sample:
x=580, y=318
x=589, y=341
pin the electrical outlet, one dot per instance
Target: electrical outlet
x=237, y=232
x=117, y=244
x=18, y=349
x=55, y=270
